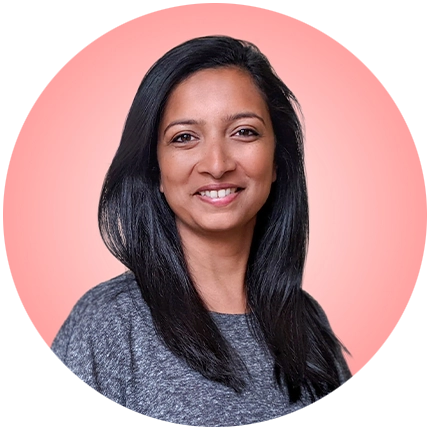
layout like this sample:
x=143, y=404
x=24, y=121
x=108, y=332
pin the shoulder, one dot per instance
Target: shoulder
x=109, y=291
x=117, y=293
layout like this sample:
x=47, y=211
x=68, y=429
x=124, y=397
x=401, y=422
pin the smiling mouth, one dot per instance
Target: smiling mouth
x=219, y=194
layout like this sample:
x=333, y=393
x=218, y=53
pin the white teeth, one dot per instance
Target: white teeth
x=217, y=194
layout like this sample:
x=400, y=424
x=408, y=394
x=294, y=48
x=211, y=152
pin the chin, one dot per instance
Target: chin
x=227, y=226
x=219, y=229
x=216, y=224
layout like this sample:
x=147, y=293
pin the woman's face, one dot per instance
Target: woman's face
x=216, y=151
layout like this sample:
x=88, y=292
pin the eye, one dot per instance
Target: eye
x=246, y=132
x=183, y=138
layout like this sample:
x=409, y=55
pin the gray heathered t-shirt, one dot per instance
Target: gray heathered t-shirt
x=109, y=341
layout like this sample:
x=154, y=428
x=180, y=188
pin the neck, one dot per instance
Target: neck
x=217, y=263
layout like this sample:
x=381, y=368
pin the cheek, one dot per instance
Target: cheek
x=166, y=183
x=167, y=165
x=174, y=183
x=176, y=170
x=161, y=179
x=262, y=166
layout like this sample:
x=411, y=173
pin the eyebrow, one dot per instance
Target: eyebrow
x=242, y=115
x=228, y=118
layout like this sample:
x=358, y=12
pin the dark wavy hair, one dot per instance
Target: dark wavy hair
x=138, y=227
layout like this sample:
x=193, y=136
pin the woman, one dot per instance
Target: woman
x=206, y=204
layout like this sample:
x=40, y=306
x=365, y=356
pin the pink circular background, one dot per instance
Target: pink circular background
x=366, y=187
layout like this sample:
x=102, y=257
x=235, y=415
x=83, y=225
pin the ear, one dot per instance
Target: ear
x=161, y=187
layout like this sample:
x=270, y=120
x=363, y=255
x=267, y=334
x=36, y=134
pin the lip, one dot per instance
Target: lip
x=216, y=187
x=221, y=201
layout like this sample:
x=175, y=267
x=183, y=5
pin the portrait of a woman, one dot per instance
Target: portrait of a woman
x=205, y=203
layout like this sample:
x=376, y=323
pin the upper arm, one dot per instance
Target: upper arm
x=91, y=344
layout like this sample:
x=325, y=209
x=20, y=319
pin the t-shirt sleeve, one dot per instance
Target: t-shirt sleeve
x=92, y=347
x=91, y=344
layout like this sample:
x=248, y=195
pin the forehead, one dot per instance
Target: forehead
x=209, y=91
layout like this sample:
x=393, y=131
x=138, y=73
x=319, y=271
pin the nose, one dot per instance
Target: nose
x=216, y=159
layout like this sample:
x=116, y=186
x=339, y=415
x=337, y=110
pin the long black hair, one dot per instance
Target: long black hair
x=139, y=228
